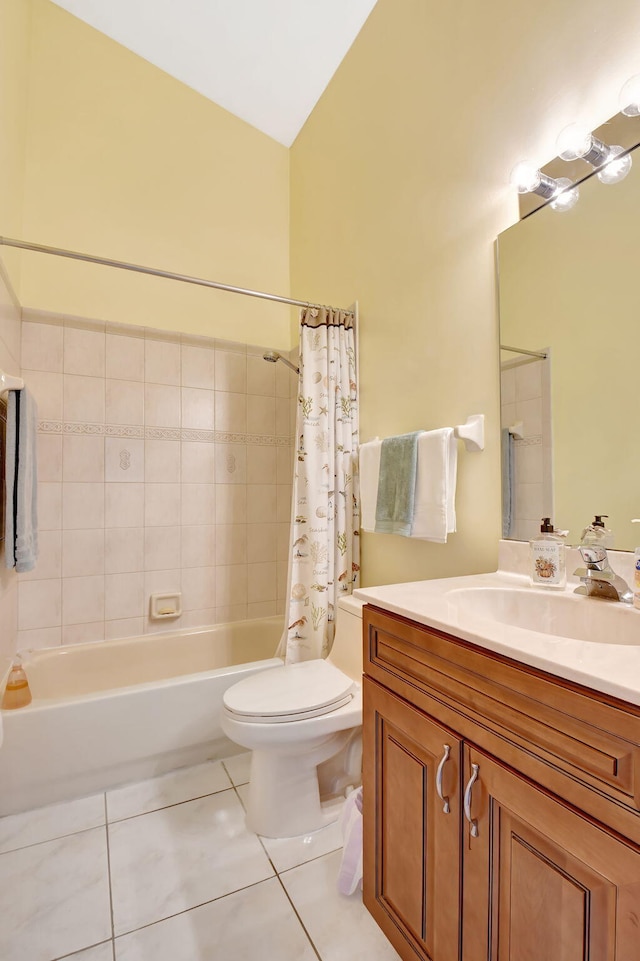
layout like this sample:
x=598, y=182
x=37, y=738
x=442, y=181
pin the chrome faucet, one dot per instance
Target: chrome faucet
x=599, y=579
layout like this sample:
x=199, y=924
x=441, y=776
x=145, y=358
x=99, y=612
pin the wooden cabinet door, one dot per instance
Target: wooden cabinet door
x=411, y=845
x=542, y=882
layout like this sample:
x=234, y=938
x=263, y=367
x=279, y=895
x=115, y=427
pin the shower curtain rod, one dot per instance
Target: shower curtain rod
x=156, y=272
x=520, y=350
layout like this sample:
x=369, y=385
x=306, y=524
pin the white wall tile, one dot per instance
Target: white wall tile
x=197, y=463
x=161, y=406
x=123, y=460
x=261, y=504
x=283, y=504
x=124, y=596
x=50, y=457
x=508, y=386
x=162, y=505
x=49, y=506
x=82, y=459
x=49, y=563
x=83, y=633
x=231, y=544
x=261, y=582
x=40, y=604
x=262, y=609
x=284, y=466
x=230, y=464
x=231, y=585
x=123, y=550
x=126, y=627
x=37, y=639
x=198, y=618
x=83, y=399
x=231, y=412
x=198, y=367
x=528, y=381
x=231, y=504
x=46, y=388
x=82, y=600
x=261, y=543
x=229, y=613
x=125, y=357
x=42, y=347
x=124, y=505
x=161, y=548
x=198, y=589
x=84, y=351
x=261, y=415
x=198, y=504
x=161, y=582
x=231, y=371
x=161, y=362
x=124, y=402
x=530, y=413
x=197, y=408
x=82, y=552
x=262, y=464
x=261, y=376
x=162, y=461
x=82, y=506
x=198, y=547
x=283, y=416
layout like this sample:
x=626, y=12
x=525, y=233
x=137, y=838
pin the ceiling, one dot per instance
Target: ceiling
x=266, y=61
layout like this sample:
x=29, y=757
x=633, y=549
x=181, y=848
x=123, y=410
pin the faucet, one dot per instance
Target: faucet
x=599, y=579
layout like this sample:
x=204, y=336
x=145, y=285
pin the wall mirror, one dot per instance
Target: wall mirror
x=569, y=287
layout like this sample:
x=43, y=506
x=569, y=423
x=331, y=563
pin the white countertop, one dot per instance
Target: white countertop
x=607, y=665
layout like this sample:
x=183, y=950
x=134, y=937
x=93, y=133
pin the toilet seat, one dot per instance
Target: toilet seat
x=290, y=693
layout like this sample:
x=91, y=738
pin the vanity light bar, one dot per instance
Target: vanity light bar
x=527, y=178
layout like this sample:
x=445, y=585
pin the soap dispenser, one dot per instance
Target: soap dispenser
x=16, y=693
x=596, y=534
x=547, y=557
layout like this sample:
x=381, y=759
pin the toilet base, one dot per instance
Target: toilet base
x=284, y=797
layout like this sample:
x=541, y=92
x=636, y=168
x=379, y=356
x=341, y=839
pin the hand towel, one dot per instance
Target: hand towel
x=350, y=873
x=434, y=514
x=369, y=474
x=21, y=482
x=397, y=484
x=507, y=482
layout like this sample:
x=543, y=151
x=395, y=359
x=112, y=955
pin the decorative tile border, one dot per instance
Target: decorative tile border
x=163, y=433
x=534, y=441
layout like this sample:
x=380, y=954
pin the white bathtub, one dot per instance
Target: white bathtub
x=106, y=713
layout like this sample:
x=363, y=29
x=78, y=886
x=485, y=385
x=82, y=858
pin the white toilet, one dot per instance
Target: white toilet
x=294, y=718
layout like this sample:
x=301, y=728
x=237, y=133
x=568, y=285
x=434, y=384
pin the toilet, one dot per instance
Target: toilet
x=294, y=718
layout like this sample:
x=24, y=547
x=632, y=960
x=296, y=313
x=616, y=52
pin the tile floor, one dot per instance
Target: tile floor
x=165, y=870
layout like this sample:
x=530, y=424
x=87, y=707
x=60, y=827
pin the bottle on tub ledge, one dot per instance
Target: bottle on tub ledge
x=547, y=554
x=16, y=693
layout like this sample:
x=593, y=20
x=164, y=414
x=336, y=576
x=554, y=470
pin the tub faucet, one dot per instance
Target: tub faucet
x=599, y=579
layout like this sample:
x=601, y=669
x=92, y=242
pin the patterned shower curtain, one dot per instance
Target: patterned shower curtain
x=325, y=551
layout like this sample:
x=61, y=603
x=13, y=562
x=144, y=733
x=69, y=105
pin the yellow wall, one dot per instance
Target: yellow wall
x=14, y=45
x=126, y=162
x=399, y=187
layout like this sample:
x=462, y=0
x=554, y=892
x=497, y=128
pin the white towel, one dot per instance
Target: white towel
x=434, y=513
x=369, y=474
x=21, y=480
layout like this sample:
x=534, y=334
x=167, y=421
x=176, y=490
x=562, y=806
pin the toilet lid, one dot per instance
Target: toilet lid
x=292, y=692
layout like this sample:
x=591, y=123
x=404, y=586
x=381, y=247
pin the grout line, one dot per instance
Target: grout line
x=302, y=924
x=58, y=837
x=64, y=957
x=164, y=807
x=113, y=930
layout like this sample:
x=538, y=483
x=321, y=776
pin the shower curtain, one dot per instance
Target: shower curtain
x=325, y=552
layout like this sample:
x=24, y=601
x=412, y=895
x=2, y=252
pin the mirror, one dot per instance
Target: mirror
x=569, y=286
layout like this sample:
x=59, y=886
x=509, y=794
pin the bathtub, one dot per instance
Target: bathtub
x=115, y=711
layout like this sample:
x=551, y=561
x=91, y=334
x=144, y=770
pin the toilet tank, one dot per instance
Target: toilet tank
x=346, y=652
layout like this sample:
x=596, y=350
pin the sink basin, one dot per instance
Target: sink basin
x=558, y=613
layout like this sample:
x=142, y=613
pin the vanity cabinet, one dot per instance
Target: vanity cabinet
x=544, y=863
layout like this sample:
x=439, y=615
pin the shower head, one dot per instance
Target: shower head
x=272, y=356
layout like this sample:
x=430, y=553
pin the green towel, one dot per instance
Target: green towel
x=397, y=484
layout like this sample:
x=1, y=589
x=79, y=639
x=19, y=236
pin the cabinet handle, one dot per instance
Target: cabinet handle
x=445, y=757
x=475, y=769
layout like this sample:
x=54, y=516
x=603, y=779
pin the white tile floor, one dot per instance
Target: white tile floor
x=165, y=870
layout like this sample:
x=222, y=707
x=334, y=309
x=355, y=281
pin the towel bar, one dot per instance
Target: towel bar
x=8, y=382
x=471, y=432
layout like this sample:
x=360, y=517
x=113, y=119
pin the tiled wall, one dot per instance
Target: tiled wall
x=165, y=464
x=9, y=362
x=526, y=397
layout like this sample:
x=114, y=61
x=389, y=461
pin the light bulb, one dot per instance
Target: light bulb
x=567, y=195
x=630, y=97
x=525, y=177
x=573, y=142
x=615, y=170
